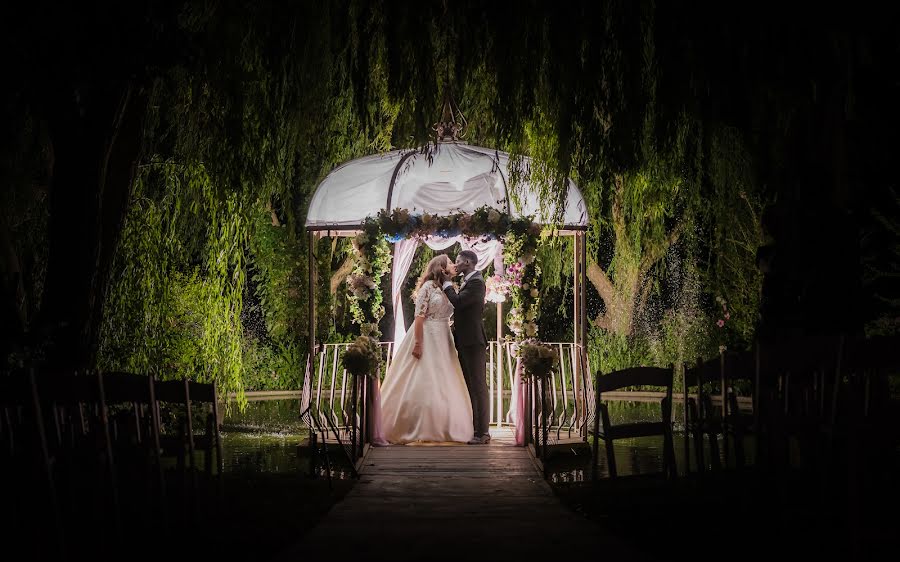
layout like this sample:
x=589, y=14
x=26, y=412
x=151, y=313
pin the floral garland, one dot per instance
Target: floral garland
x=485, y=222
x=521, y=280
x=498, y=286
x=373, y=260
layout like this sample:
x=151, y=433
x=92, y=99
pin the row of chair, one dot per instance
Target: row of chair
x=815, y=392
x=106, y=431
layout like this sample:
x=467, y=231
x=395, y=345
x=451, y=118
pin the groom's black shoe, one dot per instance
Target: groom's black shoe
x=483, y=440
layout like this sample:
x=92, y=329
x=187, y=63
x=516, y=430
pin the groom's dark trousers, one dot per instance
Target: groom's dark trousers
x=468, y=332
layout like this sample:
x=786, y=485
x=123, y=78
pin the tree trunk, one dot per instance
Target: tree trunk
x=96, y=145
x=623, y=296
x=342, y=272
x=619, y=296
x=13, y=305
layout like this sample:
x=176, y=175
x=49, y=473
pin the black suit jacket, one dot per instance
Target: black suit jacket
x=468, y=312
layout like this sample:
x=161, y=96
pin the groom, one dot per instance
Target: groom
x=468, y=331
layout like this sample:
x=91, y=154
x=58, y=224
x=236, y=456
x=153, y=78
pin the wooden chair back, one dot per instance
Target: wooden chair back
x=633, y=377
x=700, y=416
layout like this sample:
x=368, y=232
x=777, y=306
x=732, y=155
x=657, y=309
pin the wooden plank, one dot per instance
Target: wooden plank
x=449, y=486
x=450, y=503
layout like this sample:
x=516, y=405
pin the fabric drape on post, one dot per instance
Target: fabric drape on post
x=404, y=252
x=517, y=404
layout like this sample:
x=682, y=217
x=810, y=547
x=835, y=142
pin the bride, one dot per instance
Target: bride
x=424, y=396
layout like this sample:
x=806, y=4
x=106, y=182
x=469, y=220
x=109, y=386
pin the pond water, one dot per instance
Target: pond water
x=265, y=439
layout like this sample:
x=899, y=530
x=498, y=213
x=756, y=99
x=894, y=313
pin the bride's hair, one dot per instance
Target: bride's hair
x=436, y=271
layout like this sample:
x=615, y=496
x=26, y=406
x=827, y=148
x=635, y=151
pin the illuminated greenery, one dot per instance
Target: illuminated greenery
x=243, y=107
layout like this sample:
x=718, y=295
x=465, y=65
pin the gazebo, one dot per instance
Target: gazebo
x=450, y=177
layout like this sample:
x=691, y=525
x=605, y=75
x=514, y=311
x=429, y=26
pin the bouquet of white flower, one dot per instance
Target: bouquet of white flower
x=362, y=357
x=538, y=359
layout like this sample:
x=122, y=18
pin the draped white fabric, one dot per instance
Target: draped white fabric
x=404, y=252
x=455, y=177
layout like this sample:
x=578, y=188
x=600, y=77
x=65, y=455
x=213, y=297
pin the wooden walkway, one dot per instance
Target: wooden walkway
x=452, y=503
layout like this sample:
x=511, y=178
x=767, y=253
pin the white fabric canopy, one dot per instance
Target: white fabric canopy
x=459, y=178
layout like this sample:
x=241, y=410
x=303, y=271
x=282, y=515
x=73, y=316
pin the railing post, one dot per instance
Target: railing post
x=499, y=365
x=311, y=296
x=529, y=411
x=545, y=416
x=364, y=415
x=491, y=377
x=354, y=391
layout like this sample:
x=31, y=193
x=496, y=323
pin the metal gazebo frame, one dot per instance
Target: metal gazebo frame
x=326, y=423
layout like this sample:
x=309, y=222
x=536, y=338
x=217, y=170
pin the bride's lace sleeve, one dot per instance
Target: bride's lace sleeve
x=422, y=299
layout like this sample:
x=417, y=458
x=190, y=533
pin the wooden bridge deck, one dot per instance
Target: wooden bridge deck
x=464, y=502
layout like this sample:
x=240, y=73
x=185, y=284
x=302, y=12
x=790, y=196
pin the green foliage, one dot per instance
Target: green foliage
x=733, y=215
x=176, y=311
x=279, y=266
x=272, y=367
x=609, y=352
x=881, y=267
x=282, y=95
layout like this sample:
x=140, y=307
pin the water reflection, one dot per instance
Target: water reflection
x=267, y=436
x=264, y=438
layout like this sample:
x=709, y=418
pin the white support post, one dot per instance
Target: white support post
x=499, y=365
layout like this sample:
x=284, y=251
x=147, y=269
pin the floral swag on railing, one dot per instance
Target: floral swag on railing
x=520, y=281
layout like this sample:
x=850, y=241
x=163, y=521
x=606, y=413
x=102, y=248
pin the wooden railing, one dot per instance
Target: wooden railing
x=336, y=410
x=334, y=403
x=567, y=408
x=559, y=409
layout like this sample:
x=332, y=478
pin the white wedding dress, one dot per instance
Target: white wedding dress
x=426, y=399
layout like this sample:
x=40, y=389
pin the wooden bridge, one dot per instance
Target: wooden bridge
x=451, y=502
x=465, y=502
x=556, y=411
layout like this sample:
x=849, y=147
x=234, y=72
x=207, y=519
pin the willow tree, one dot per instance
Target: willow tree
x=671, y=118
x=237, y=140
x=576, y=90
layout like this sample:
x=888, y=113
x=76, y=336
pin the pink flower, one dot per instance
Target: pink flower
x=720, y=323
x=727, y=316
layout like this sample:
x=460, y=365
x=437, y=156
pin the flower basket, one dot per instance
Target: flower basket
x=538, y=359
x=362, y=357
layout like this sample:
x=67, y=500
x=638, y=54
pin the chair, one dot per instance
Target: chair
x=24, y=445
x=637, y=376
x=135, y=430
x=739, y=371
x=700, y=416
x=807, y=381
x=187, y=441
x=186, y=394
x=867, y=418
x=82, y=444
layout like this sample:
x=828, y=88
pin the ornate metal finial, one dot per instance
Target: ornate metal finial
x=453, y=124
